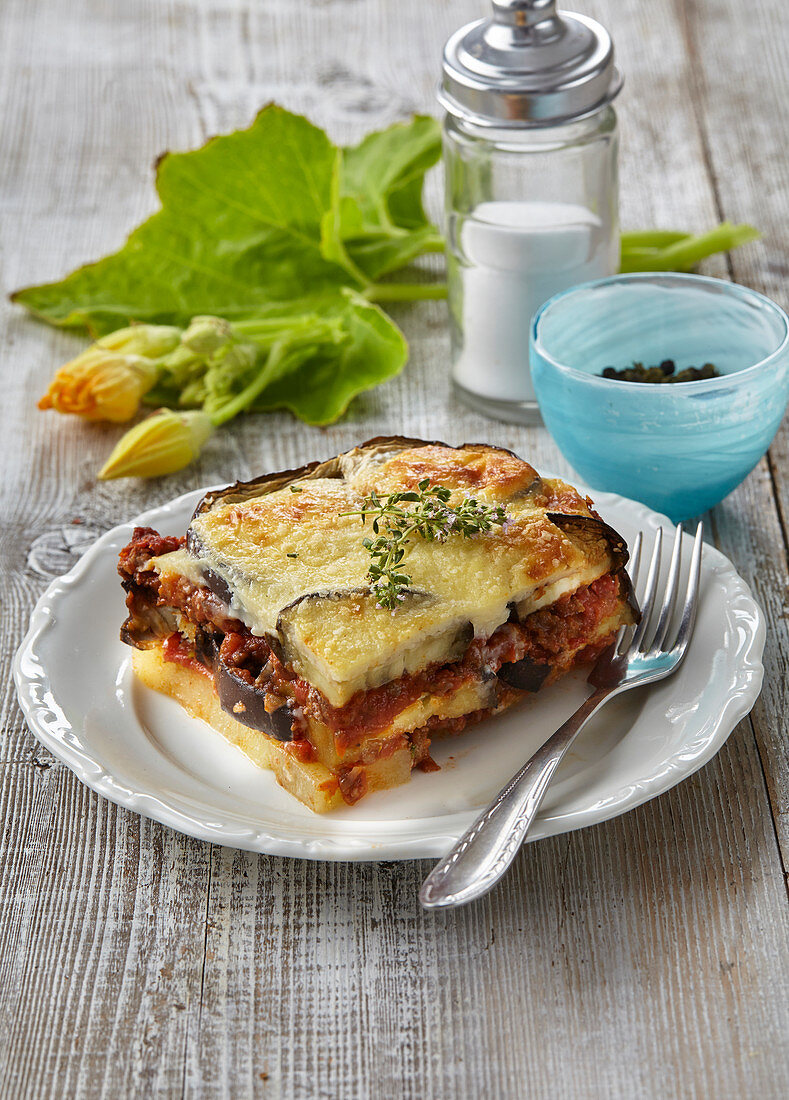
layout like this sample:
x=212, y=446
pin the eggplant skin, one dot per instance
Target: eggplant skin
x=578, y=527
x=247, y=704
x=269, y=483
x=206, y=647
x=583, y=530
x=525, y=675
x=414, y=595
x=147, y=625
x=590, y=529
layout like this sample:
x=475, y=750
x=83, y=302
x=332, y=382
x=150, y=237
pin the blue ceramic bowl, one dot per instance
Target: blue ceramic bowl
x=679, y=448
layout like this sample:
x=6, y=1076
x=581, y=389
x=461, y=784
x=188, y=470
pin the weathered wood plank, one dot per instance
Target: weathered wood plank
x=99, y=959
x=746, y=130
x=645, y=957
x=327, y=977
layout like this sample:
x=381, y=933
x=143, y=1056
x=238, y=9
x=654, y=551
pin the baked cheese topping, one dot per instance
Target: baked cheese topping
x=297, y=567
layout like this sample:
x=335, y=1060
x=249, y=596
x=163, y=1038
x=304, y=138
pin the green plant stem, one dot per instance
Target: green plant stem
x=651, y=238
x=436, y=243
x=683, y=254
x=404, y=292
x=268, y=326
x=244, y=399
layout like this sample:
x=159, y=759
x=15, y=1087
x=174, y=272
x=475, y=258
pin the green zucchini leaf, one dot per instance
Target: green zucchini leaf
x=318, y=387
x=262, y=215
x=384, y=225
x=240, y=226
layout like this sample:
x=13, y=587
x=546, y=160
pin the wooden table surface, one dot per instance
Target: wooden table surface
x=646, y=957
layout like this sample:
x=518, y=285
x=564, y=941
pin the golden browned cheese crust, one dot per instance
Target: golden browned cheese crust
x=296, y=569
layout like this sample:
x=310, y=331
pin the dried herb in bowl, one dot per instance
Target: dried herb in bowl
x=665, y=372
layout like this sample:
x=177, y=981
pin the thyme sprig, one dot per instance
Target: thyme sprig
x=430, y=518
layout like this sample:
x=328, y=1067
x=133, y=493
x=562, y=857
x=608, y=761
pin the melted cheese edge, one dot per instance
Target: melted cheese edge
x=274, y=550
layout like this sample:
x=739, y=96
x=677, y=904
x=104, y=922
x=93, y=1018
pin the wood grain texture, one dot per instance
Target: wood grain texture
x=749, y=126
x=646, y=957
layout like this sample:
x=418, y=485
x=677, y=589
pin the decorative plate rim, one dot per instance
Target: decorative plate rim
x=51, y=727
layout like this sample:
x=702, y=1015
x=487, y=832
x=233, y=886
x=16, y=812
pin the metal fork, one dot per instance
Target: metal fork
x=640, y=655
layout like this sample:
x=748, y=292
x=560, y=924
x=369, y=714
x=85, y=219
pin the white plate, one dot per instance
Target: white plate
x=142, y=751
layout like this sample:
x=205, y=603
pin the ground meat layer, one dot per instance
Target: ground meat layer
x=554, y=638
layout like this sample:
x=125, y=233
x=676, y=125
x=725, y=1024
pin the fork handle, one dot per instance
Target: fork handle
x=485, y=851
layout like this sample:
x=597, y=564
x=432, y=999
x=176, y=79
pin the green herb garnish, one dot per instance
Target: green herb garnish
x=431, y=518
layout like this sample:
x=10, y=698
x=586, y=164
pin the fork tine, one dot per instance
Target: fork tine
x=622, y=641
x=670, y=595
x=649, y=591
x=688, y=619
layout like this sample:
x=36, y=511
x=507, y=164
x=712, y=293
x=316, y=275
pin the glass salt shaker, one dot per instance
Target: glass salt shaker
x=530, y=154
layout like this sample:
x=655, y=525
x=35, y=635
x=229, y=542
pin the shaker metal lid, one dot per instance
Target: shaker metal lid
x=528, y=66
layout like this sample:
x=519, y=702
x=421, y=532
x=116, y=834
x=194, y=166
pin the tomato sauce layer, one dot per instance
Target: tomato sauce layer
x=557, y=636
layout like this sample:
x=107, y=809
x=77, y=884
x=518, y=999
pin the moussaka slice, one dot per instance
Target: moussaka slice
x=331, y=620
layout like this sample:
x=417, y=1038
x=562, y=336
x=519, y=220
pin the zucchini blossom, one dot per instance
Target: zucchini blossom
x=206, y=335
x=164, y=442
x=108, y=380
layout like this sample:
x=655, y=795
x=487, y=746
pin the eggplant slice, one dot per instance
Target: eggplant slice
x=294, y=620
x=247, y=703
x=330, y=468
x=525, y=675
x=587, y=530
x=308, y=619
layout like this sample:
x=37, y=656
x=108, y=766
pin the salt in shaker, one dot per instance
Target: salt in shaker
x=530, y=153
